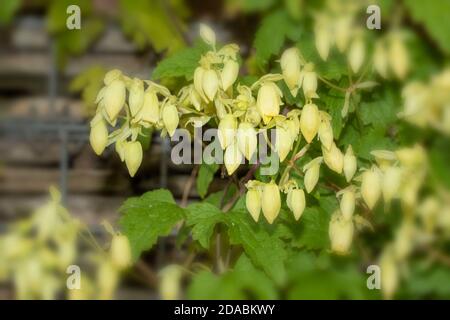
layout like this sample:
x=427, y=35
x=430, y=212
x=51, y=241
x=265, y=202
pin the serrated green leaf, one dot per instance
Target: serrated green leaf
x=434, y=18
x=205, y=177
x=381, y=110
x=148, y=217
x=203, y=217
x=181, y=64
x=264, y=249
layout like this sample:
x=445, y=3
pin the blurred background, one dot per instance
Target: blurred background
x=50, y=77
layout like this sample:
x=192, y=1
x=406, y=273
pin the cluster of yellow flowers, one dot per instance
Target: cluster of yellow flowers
x=36, y=252
x=425, y=219
x=241, y=113
x=428, y=104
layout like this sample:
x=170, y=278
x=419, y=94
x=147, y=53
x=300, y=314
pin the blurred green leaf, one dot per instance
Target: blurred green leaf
x=243, y=282
x=148, y=217
x=181, y=64
x=434, y=17
x=7, y=10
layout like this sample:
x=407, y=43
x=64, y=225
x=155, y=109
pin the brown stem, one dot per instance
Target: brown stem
x=188, y=186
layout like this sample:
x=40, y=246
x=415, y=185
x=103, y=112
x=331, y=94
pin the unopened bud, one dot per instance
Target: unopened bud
x=210, y=83
x=341, y=233
x=247, y=139
x=309, y=121
x=268, y=101
x=120, y=251
x=356, y=54
x=326, y=134
x=398, y=57
x=290, y=66
x=253, y=202
x=391, y=183
x=350, y=164
x=98, y=136
x=227, y=130
x=133, y=156
x=371, y=187
x=114, y=98
x=333, y=158
x=170, y=118
x=312, y=170
x=270, y=201
x=232, y=158
x=150, y=109
x=296, y=202
x=283, y=142
x=347, y=203
x=136, y=97
x=229, y=74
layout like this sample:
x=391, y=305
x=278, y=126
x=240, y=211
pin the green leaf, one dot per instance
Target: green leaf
x=243, y=282
x=148, y=217
x=264, y=249
x=334, y=102
x=381, y=110
x=205, y=177
x=434, y=18
x=270, y=36
x=203, y=217
x=181, y=64
x=8, y=9
x=425, y=280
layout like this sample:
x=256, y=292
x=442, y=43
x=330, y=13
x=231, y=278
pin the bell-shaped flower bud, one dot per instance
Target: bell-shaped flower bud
x=270, y=201
x=195, y=99
x=229, y=74
x=268, y=101
x=350, y=164
x=312, y=171
x=207, y=34
x=389, y=273
x=283, y=142
x=326, y=134
x=391, y=183
x=309, y=121
x=323, y=41
x=133, y=156
x=310, y=84
x=150, y=109
x=170, y=282
x=296, y=202
x=227, y=130
x=198, y=81
x=343, y=30
x=290, y=67
x=293, y=126
x=247, y=139
x=380, y=59
x=210, y=84
x=114, y=98
x=371, y=186
x=356, y=54
x=348, y=201
x=98, y=136
x=253, y=202
x=341, y=233
x=333, y=158
x=120, y=251
x=170, y=118
x=398, y=57
x=136, y=96
x=232, y=158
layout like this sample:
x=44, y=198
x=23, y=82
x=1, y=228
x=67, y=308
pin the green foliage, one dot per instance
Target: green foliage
x=152, y=23
x=243, y=282
x=205, y=177
x=202, y=218
x=145, y=218
x=181, y=64
x=434, y=18
x=271, y=35
x=89, y=82
x=7, y=10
